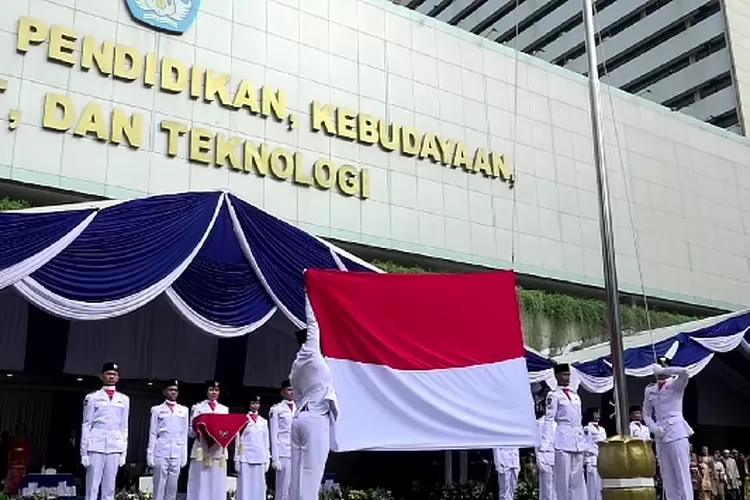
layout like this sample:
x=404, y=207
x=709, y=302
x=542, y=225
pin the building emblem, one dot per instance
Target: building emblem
x=174, y=16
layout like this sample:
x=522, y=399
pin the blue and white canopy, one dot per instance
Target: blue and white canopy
x=691, y=345
x=227, y=267
x=224, y=264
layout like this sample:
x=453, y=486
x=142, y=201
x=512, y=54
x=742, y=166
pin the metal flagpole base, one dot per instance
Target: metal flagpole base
x=627, y=467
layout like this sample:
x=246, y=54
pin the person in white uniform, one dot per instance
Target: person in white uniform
x=280, y=417
x=207, y=475
x=252, y=457
x=317, y=411
x=545, y=460
x=567, y=440
x=662, y=412
x=637, y=428
x=104, y=435
x=166, y=452
x=594, y=434
x=507, y=465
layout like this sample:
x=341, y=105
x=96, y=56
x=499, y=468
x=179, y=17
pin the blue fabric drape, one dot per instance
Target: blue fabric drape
x=282, y=252
x=693, y=346
x=132, y=246
x=129, y=247
x=536, y=362
x=220, y=284
x=23, y=235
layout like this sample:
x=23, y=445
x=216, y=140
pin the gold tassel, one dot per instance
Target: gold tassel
x=205, y=456
x=223, y=462
x=199, y=453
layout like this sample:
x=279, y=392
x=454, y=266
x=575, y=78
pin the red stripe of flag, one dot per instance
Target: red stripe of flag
x=417, y=321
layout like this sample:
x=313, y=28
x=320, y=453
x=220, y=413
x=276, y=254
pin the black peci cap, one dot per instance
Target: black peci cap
x=562, y=368
x=110, y=367
x=171, y=383
x=635, y=408
x=285, y=384
x=255, y=399
x=210, y=384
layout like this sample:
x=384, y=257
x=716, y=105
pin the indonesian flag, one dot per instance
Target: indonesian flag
x=423, y=362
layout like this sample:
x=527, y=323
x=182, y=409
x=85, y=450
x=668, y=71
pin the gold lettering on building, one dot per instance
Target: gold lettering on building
x=117, y=127
x=208, y=147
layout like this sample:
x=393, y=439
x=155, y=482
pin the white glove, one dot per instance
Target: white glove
x=150, y=462
x=266, y=466
x=276, y=465
x=183, y=463
x=85, y=461
x=659, y=432
x=659, y=370
x=121, y=462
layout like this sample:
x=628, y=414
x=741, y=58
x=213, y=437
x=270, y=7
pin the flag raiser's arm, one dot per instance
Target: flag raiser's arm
x=312, y=342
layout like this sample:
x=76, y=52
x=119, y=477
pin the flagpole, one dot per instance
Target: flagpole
x=605, y=221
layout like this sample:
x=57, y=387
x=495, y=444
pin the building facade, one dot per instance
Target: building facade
x=374, y=124
x=683, y=55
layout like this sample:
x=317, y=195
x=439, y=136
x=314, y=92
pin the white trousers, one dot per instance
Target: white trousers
x=102, y=473
x=251, y=482
x=569, y=482
x=206, y=482
x=507, y=480
x=310, y=446
x=166, y=474
x=674, y=466
x=546, y=480
x=593, y=482
x=283, y=479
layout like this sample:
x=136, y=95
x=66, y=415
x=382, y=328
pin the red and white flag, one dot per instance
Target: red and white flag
x=423, y=362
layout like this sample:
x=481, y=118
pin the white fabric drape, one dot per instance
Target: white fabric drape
x=299, y=322
x=153, y=342
x=33, y=409
x=204, y=324
x=14, y=316
x=56, y=304
x=12, y=274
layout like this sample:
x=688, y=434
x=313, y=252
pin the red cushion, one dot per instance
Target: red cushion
x=219, y=428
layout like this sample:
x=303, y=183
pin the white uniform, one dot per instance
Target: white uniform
x=251, y=459
x=281, y=415
x=594, y=433
x=662, y=412
x=640, y=430
x=507, y=465
x=317, y=410
x=545, y=463
x=206, y=482
x=167, y=447
x=567, y=441
x=104, y=440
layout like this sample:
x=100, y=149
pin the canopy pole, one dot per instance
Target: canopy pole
x=605, y=221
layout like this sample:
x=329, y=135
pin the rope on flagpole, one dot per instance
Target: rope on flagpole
x=627, y=184
x=514, y=159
